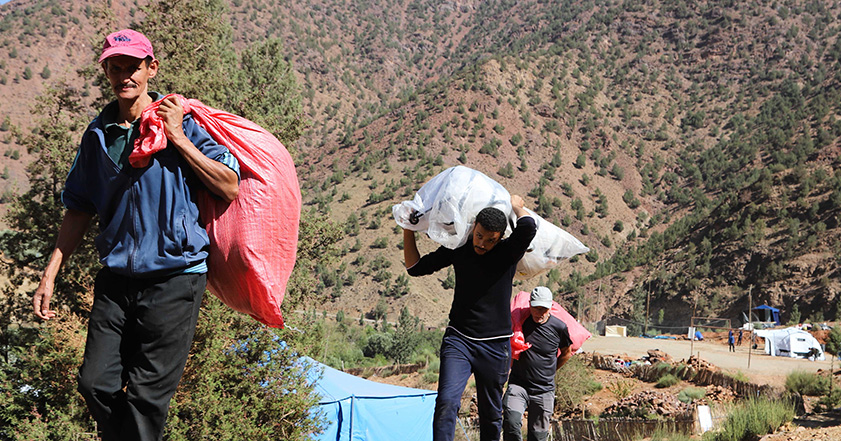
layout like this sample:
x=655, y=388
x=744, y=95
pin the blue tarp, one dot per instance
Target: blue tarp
x=771, y=314
x=360, y=410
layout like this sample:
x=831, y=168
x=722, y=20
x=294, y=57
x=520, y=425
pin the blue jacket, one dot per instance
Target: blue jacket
x=148, y=218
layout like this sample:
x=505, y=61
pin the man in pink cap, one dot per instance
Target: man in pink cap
x=151, y=243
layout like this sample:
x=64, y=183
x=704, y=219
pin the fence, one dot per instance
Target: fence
x=619, y=429
x=699, y=376
x=623, y=429
x=704, y=377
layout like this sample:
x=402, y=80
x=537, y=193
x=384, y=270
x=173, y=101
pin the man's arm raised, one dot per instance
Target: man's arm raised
x=411, y=255
x=217, y=177
x=70, y=235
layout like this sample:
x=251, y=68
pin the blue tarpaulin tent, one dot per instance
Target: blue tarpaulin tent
x=771, y=314
x=360, y=410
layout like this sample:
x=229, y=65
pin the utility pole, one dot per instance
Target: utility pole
x=750, y=320
x=647, y=303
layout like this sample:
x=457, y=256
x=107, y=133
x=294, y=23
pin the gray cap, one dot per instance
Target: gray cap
x=541, y=296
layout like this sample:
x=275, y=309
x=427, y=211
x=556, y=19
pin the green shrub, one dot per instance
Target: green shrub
x=807, y=383
x=621, y=388
x=667, y=380
x=572, y=382
x=691, y=394
x=753, y=418
x=662, y=434
x=829, y=401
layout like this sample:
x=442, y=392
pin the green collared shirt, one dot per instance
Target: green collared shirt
x=119, y=140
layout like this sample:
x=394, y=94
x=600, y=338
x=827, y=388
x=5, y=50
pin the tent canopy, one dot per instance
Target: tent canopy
x=771, y=314
x=356, y=409
x=791, y=342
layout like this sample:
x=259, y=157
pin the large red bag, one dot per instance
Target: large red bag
x=254, y=239
x=520, y=312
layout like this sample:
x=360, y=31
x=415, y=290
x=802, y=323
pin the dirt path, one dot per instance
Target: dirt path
x=763, y=369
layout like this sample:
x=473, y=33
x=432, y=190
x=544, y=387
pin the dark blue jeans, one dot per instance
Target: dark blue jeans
x=139, y=336
x=488, y=361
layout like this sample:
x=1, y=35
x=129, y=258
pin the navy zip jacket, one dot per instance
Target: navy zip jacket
x=482, y=300
x=148, y=218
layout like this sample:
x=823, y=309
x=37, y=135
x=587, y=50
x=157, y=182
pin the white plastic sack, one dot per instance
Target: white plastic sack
x=446, y=206
x=550, y=245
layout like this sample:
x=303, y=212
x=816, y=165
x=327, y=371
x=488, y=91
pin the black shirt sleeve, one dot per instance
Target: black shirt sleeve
x=434, y=261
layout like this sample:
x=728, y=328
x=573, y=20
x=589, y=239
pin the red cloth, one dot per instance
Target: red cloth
x=254, y=239
x=520, y=312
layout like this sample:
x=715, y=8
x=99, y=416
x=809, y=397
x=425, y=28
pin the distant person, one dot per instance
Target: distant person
x=151, y=243
x=477, y=340
x=739, y=342
x=731, y=340
x=531, y=384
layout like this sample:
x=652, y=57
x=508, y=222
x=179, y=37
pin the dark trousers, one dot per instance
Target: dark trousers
x=139, y=336
x=488, y=361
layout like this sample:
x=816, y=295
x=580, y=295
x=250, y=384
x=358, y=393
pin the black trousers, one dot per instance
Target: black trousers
x=139, y=336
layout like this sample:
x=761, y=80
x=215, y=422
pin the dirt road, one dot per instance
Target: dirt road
x=763, y=369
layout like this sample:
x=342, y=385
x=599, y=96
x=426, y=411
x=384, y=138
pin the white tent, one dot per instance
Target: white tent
x=790, y=342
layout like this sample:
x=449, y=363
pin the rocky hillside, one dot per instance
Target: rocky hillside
x=693, y=146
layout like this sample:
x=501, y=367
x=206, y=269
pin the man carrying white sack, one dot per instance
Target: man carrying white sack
x=477, y=340
x=531, y=385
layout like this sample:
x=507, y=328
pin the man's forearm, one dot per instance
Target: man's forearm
x=217, y=177
x=566, y=354
x=411, y=256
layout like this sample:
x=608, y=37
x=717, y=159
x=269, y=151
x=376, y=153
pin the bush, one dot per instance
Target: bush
x=621, y=388
x=807, y=383
x=667, y=380
x=691, y=394
x=572, y=383
x=752, y=418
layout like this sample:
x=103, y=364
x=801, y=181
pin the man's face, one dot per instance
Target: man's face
x=539, y=313
x=484, y=240
x=129, y=76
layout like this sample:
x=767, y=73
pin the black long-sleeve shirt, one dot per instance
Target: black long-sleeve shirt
x=481, y=306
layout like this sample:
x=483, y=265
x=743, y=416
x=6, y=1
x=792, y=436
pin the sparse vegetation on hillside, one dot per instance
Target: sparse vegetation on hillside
x=690, y=144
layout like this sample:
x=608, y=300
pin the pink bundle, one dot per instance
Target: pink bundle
x=520, y=312
x=254, y=239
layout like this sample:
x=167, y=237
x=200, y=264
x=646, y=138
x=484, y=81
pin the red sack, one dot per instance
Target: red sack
x=520, y=312
x=254, y=239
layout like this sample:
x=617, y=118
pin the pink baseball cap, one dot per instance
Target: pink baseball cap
x=126, y=42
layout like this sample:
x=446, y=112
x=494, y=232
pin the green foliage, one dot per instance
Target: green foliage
x=691, y=394
x=38, y=376
x=667, y=380
x=34, y=216
x=450, y=281
x=662, y=434
x=807, y=383
x=258, y=85
x=620, y=388
x=753, y=418
x=507, y=171
x=573, y=382
x=833, y=343
x=270, y=95
x=239, y=376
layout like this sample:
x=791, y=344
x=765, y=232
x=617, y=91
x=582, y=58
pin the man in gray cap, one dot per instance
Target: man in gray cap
x=531, y=384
